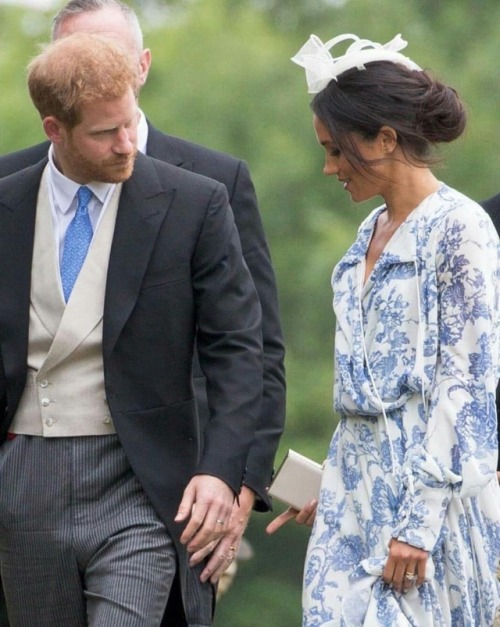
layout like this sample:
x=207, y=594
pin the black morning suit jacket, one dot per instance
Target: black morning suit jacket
x=176, y=275
x=234, y=174
x=492, y=207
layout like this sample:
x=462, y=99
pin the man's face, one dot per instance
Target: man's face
x=102, y=146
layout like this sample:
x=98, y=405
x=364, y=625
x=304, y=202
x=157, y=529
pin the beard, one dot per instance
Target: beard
x=115, y=169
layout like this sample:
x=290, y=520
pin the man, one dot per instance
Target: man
x=111, y=267
x=115, y=19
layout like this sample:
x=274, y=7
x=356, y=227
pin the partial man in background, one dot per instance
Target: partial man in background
x=117, y=20
x=114, y=265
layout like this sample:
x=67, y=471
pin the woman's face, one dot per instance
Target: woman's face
x=362, y=183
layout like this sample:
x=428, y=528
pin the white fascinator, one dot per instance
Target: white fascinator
x=321, y=67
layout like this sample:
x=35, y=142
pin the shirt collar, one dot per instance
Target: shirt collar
x=142, y=133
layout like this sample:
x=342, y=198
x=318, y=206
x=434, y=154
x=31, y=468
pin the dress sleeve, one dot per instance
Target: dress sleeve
x=458, y=454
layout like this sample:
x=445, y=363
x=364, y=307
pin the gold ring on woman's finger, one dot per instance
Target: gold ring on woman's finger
x=411, y=576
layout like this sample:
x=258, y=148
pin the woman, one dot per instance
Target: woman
x=407, y=529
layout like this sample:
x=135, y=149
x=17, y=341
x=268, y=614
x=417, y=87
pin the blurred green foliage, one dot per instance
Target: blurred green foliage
x=221, y=76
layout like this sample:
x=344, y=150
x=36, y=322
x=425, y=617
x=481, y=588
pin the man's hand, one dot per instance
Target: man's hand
x=305, y=516
x=225, y=550
x=207, y=504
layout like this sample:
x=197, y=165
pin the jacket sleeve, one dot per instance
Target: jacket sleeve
x=229, y=341
x=271, y=421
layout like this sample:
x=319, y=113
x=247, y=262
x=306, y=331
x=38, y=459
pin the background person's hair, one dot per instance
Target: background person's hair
x=77, y=7
x=422, y=111
x=78, y=69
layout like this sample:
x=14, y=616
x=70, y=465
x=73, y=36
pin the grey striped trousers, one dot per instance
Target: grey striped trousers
x=80, y=543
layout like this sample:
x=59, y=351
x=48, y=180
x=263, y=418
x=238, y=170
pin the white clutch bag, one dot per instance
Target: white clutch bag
x=297, y=481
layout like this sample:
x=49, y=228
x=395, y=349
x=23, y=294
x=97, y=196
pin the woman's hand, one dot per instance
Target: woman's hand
x=305, y=516
x=405, y=566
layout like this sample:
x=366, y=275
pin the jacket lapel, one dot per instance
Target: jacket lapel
x=144, y=204
x=18, y=201
x=165, y=148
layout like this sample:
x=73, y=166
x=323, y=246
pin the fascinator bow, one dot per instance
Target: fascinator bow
x=321, y=67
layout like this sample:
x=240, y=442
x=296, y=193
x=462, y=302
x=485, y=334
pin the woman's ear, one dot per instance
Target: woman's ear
x=388, y=139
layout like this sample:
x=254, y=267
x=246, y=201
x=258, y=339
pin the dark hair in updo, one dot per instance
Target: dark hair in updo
x=421, y=110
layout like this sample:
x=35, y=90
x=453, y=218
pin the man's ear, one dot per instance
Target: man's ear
x=144, y=65
x=54, y=129
x=388, y=139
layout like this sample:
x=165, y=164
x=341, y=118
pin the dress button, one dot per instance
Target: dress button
x=107, y=420
x=44, y=383
x=49, y=422
x=45, y=402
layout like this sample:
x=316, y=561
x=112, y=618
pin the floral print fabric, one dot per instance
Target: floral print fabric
x=415, y=451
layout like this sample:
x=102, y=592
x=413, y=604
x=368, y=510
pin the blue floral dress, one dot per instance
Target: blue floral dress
x=414, y=454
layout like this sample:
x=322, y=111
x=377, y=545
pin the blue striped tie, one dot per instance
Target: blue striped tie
x=76, y=242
